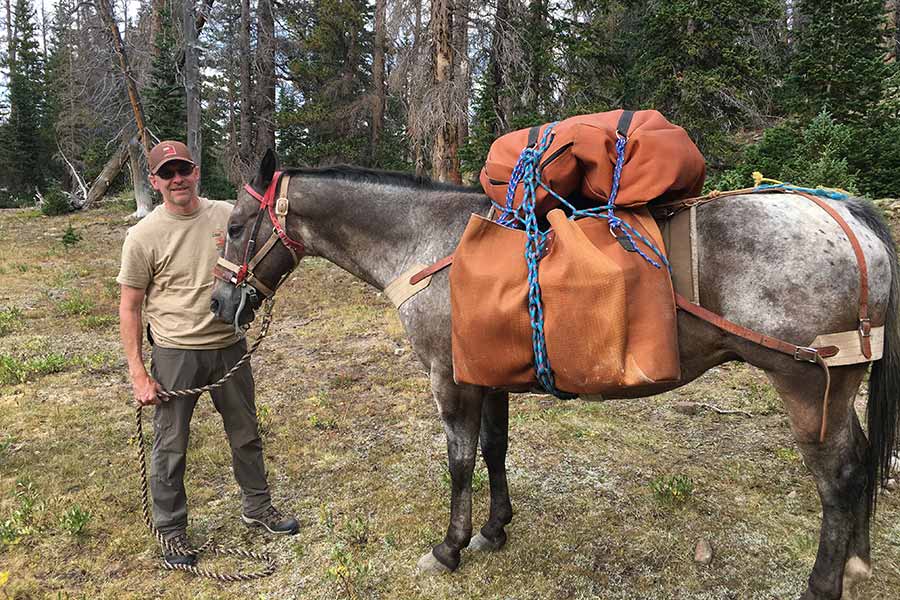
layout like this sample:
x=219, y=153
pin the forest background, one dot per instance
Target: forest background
x=801, y=90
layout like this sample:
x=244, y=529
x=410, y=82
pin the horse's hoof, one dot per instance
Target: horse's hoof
x=480, y=543
x=429, y=565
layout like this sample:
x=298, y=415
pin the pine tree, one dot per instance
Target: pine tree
x=26, y=148
x=164, y=97
x=707, y=65
x=329, y=75
x=839, y=61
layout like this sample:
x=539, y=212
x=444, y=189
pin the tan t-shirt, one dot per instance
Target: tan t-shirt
x=172, y=257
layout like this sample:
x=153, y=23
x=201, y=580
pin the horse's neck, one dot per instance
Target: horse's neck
x=378, y=231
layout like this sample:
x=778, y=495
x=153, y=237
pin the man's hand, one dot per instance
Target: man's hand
x=145, y=390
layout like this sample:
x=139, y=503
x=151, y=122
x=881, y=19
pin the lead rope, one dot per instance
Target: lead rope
x=207, y=546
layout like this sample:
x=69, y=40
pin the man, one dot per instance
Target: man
x=167, y=263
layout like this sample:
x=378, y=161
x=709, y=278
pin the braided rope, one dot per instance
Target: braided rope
x=527, y=172
x=264, y=557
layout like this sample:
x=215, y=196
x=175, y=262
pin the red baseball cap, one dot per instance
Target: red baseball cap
x=167, y=151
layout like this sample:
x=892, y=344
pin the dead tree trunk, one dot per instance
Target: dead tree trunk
x=143, y=193
x=264, y=103
x=192, y=82
x=444, y=158
x=378, y=92
x=246, y=151
x=500, y=102
x=110, y=171
x=106, y=14
x=461, y=71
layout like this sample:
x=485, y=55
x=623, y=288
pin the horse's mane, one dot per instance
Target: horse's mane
x=396, y=178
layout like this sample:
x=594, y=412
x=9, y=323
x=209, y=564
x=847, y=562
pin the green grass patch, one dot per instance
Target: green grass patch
x=75, y=304
x=321, y=423
x=14, y=370
x=9, y=319
x=673, y=490
x=93, y=322
x=74, y=520
x=20, y=523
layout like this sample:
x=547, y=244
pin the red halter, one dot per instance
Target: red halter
x=278, y=210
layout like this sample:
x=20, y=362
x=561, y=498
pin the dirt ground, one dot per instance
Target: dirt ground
x=609, y=498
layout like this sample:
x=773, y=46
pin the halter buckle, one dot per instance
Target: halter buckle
x=281, y=207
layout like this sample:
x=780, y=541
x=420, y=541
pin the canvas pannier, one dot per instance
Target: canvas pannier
x=609, y=316
x=661, y=161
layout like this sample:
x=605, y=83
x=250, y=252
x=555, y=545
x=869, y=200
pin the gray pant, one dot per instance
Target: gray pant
x=179, y=369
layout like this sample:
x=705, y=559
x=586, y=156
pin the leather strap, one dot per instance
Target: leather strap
x=429, y=271
x=865, y=325
x=801, y=353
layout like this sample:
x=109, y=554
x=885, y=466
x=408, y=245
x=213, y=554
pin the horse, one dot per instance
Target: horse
x=377, y=224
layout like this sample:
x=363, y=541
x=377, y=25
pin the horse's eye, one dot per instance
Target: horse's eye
x=234, y=231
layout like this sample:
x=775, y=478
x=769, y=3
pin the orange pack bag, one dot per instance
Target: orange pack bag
x=609, y=316
x=661, y=161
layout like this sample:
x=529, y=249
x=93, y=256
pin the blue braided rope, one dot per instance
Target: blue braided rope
x=832, y=194
x=527, y=172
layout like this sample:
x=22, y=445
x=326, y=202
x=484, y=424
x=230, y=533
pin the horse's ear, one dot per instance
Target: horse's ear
x=267, y=167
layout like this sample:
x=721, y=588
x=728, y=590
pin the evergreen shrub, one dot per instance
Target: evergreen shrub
x=56, y=202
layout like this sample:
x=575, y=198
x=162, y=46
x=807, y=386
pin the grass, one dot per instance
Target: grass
x=9, y=320
x=355, y=450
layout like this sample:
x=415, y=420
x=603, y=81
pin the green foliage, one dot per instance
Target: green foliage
x=811, y=155
x=70, y=237
x=673, y=490
x=74, y=520
x=839, y=61
x=20, y=523
x=9, y=319
x=707, y=66
x=91, y=322
x=56, y=203
x=75, y=304
x=25, y=141
x=15, y=370
x=319, y=114
x=164, y=95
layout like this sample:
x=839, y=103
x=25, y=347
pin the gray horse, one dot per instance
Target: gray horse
x=775, y=263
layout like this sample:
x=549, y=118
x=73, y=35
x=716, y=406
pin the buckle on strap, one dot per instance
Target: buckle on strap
x=281, y=207
x=803, y=353
x=865, y=327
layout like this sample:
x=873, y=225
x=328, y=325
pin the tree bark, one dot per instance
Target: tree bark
x=461, y=70
x=143, y=193
x=444, y=158
x=10, y=37
x=192, y=82
x=416, y=95
x=105, y=10
x=264, y=103
x=246, y=150
x=378, y=92
x=110, y=171
x=897, y=30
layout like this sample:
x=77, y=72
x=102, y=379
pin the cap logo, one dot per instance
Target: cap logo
x=169, y=151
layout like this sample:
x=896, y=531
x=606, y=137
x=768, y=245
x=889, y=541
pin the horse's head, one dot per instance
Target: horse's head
x=258, y=252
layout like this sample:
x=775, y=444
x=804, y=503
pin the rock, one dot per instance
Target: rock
x=703, y=552
x=792, y=495
x=891, y=485
x=686, y=408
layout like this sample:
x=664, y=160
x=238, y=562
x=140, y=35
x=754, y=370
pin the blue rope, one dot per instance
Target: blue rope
x=832, y=194
x=527, y=172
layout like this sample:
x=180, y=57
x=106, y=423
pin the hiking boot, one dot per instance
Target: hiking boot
x=273, y=521
x=179, y=552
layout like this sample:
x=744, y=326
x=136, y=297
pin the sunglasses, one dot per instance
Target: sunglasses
x=168, y=171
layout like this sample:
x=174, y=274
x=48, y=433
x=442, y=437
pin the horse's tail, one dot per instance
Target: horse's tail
x=883, y=411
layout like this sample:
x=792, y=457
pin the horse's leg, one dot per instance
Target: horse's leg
x=838, y=466
x=460, y=410
x=494, y=443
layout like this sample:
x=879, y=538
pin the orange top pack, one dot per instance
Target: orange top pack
x=661, y=161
